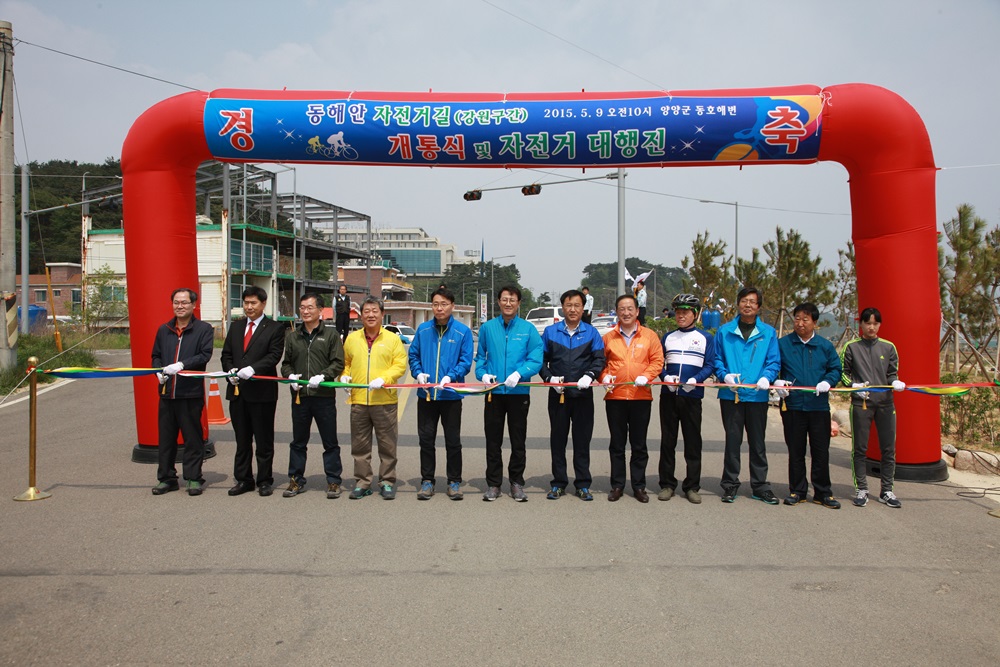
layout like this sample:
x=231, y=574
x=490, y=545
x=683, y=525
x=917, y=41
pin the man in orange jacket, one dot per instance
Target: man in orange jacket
x=634, y=357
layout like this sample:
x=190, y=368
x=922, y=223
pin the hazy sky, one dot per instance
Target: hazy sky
x=942, y=57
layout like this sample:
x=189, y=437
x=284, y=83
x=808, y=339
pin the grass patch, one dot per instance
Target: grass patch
x=43, y=347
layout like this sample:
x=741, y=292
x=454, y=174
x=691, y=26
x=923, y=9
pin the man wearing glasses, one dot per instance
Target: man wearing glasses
x=183, y=343
x=510, y=351
x=316, y=352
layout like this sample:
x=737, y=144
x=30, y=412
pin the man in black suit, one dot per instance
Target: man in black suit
x=342, y=311
x=253, y=347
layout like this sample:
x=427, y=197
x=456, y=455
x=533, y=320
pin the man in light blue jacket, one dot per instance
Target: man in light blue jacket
x=510, y=351
x=746, y=353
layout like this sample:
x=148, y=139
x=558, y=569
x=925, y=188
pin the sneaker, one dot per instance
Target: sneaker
x=729, y=496
x=794, y=499
x=827, y=501
x=294, y=489
x=165, y=487
x=765, y=497
x=491, y=494
x=584, y=494
x=333, y=491
x=194, y=487
x=693, y=496
x=358, y=492
x=426, y=490
x=388, y=491
x=518, y=494
x=665, y=494
x=861, y=499
x=455, y=490
x=889, y=499
x=555, y=492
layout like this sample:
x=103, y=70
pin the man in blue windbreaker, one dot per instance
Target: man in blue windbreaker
x=746, y=354
x=441, y=353
x=510, y=351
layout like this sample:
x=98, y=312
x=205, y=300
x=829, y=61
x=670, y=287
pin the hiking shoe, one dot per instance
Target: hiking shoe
x=729, y=496
x=455, y=490
x=794, y=499
x=194, y=487
x=426, y=490
x=693, y=496
x=294, y=489
x=827, y=501
x=665, y=494
x=889, y=499
x=765, y=497
x=491, y=494
x=333, y=491
x=517, y=493
x=358, y=492
x=165, y=487
x=555, y=492
x=861, y=499
x=584, y=494
x=388, y=491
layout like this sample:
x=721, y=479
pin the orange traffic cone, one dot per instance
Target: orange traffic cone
x=215, y=413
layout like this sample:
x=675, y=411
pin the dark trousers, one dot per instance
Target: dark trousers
x=642, y=316
x=322, y=409
x=736, y=418
x=253, y=421
x=576, y=412
x=586, y=317
x=814, y=425
x=678, y=412
x=628, y=422
x=884, y=416
x=343, y=323
x=512, y=408
x=449, y=413
x=184, y=415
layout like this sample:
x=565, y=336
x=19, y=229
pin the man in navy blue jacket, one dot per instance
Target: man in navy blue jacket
x=807, y=360
x=441, y=352
x=573, y=351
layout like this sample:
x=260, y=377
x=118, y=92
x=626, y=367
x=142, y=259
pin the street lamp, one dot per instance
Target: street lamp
x=736, y=231
x=493, y=272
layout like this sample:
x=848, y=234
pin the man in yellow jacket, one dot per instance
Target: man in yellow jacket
x=375, y=357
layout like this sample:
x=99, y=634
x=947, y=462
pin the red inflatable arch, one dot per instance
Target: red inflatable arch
x=873, y=132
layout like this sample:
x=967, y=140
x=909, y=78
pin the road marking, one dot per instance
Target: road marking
x=27, y=395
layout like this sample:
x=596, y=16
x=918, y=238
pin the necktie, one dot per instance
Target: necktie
x=246, y=336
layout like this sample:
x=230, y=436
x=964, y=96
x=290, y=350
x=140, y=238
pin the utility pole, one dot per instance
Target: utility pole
x=8, y=333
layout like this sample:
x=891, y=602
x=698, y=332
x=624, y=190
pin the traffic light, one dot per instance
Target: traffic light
x=473, y=195
x=532, y=189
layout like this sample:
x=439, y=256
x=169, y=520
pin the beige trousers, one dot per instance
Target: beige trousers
x=380, y=419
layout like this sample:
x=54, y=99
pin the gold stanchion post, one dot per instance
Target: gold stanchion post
x=32, y=493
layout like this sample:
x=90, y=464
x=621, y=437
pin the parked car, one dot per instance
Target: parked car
x=406, y=333
x=544, y=316
x=604, y=324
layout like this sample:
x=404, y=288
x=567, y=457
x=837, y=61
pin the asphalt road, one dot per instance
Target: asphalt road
x=104, y=573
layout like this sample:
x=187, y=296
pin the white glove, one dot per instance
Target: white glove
x=557, y=379
x=863, y=394
x=377, y=383
x=162, y=378
x=641, y=381
x=823, y=387
x=512, y=380
x=233, y=380
x=731, y=378
x=609, y=379
x=445, y=380
x=346, y=379
x=782, y=393
x=671, y=380
x=314, y=381
x=489, y=379
x=422, y=378
x=690, y=385
x=173, y=369
x=763, y=384
x=584, y=382
x=295, y=385
x=245, y=373
x=898, y=385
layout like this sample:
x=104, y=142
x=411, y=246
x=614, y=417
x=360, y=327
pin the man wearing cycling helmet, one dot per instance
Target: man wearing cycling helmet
x=689, y=359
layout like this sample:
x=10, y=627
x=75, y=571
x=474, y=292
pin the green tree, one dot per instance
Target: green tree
x=106, y=298
x=845, y=288
x=793, y=276
x=708, y=269
x=963, y=268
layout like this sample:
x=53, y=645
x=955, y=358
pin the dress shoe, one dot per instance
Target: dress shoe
x=241, y=488
x=265, y=490
x=641, y=495
x=615, y=495
x=164, y=487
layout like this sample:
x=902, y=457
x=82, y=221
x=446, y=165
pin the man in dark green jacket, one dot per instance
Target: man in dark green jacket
x=807, y=360
x=316, y=352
